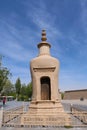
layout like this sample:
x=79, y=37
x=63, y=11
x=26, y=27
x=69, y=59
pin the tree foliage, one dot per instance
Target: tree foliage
x=4, y=75
x=18, y=90
x=29, y=90
x=23, y=89
x=18, y=86
x=26, y=92
x=62, y=95
x=8, y=88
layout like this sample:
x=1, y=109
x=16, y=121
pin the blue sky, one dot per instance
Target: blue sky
x=65, y=21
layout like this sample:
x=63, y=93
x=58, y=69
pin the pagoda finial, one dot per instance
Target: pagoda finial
x=43, y=35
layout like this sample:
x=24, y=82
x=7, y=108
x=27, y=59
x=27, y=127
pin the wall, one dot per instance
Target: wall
x=75, y=94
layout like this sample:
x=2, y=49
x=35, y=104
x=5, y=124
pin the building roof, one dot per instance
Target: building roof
x=76, y=90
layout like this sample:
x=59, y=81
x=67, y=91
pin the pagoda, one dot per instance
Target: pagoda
x=45, y=108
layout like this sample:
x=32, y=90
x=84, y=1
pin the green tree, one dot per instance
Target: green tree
x=18, y=86
x=23, y=95
x=29, y=90
x=26, y=92
x=62, y=95
x=8, y=88
x=4, y=75
x=23, y=89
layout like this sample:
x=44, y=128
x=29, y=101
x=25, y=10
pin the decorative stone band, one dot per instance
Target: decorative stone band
x=46, y=120
x=52, y=69
x=26, y=119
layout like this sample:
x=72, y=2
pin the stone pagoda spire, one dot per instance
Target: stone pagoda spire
x=43, y=35
x=45, y=108
x=44, y=47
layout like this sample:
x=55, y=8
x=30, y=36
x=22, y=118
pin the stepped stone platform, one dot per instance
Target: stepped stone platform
x=46, y=113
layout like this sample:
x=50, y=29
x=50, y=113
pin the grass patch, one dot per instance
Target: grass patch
x=68, y=126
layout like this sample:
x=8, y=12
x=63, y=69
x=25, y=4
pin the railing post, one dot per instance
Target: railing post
x=1, y=116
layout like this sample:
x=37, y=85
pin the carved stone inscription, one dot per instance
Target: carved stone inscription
x=27, y=119
x=44, y=92
x=44, y=69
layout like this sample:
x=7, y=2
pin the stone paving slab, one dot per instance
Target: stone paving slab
x=78, y=102
x=11, y=128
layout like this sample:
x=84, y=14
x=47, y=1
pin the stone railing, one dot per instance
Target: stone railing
x=1, y=116
x=9, y=115
x=79, y=113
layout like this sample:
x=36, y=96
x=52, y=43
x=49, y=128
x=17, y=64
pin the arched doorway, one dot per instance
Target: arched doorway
x=45, y=88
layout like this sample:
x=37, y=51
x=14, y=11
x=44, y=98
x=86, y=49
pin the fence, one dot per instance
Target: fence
x=12, y=118
x=8, y=117
x=80, y=114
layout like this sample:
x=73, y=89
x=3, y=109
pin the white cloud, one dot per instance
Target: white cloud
x=12, y=45
x=43, y=19
x=16, y=52
x=22, y=72
x=17, y=41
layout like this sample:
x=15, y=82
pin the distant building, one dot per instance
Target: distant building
x=75, y=94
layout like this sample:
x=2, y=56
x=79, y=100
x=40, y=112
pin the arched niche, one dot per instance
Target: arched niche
x=45, y=88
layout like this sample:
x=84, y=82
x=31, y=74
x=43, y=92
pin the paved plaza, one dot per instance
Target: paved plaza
x=66, y=105
x=12, y=104
x=42, y=128
x=79, y=102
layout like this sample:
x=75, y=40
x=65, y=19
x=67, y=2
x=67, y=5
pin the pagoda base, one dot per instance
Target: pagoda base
x=46, y=113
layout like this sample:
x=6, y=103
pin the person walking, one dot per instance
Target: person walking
x=4, y=100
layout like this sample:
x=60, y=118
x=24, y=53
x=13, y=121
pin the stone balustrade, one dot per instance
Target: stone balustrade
x=81, y=114
x=10, y=114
